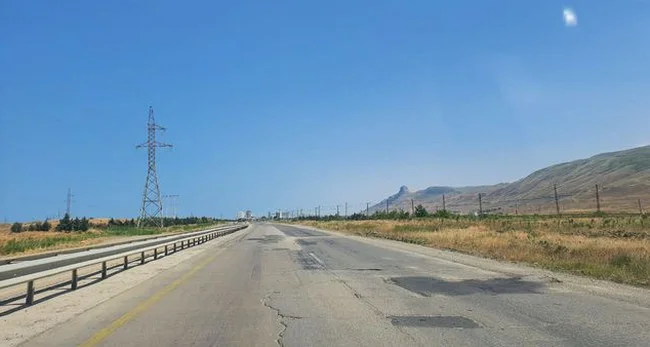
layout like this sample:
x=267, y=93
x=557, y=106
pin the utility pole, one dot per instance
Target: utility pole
x=640, y=208
x=557, y=202
x=480, y=204
x=68, y=202
x=337, y=210
x=151, y=211
x=367, y=209
x=318, y=211
x=444, y=204
x=346, y=210
x=597, y=199
x=412, y=208
x=516, y=208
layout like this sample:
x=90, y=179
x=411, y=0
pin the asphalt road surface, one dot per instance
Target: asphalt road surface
x=289, y=286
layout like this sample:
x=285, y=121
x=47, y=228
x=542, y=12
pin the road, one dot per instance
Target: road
x=291, y=286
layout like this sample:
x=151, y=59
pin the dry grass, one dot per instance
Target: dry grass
x=616, y=249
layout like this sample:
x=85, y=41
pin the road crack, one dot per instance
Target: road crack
x=282, y=318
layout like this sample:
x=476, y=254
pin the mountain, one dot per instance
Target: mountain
x=623, y=179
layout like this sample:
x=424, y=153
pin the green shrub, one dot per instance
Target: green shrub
x=16, y=227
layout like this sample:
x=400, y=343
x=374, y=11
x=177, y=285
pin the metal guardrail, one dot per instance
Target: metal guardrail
x=7, y=261
x=25, y=268
x=166, y=249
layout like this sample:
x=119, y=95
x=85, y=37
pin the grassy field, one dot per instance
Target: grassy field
x=38, y=241
x=612, y=248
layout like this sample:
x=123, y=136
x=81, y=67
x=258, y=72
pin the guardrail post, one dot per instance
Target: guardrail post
x=142, y=258
x=29, y=298
x=174, y=247
x=126, y=262
x=103, y=269
x=155, y=253
x=166, y=250
x=74, y=279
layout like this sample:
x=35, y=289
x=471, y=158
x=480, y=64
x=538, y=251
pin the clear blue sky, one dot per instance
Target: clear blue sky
x=292, y=104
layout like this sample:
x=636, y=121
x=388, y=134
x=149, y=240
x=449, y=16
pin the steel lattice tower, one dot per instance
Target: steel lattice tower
x=151, y=211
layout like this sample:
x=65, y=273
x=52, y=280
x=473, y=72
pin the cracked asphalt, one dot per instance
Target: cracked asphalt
x=291, y=286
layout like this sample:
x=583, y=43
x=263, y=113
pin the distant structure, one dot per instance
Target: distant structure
x=68, y=202
x=245, y=215
x=151, y=212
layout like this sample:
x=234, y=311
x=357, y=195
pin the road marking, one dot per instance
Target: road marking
x=143, y=306
x=317, y=260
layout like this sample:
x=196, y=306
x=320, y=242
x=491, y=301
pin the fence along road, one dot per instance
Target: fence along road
x=49, y=267
x=21, y=268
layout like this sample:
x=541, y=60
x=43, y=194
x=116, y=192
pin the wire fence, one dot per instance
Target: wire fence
x=555, y=200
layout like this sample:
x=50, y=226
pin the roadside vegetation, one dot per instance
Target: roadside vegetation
x=34, y=237
x=611, y=247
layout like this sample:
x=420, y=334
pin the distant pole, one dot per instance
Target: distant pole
x=386, y=206
x=557, y=202
x=318, y=211
x=444, y=204
x=337, y=210
x=315, y=211
x=516, y=208
x=346, y=210
x=412, y=208
x=68, y=202
x=367, y=209
x=640, y=208
x=597, y=199
x=480, y=204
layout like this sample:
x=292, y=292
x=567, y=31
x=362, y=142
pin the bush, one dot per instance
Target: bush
x=442, y=214
x=16, y=227
x=46, y=226
x=420, y=211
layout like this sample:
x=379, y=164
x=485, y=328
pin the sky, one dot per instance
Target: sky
x=294, y=104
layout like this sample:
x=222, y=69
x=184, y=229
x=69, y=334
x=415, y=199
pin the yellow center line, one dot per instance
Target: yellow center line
x=143, y=306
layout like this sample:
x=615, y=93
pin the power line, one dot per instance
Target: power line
x=152, y=208
x=173, y=198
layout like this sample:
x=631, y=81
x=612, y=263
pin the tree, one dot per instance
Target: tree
x=46, y=226
x=420, y=211
x=16, y=227
x=65, y=224
x=83, y=225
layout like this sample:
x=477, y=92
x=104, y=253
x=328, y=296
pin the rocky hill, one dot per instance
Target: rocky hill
x=623, y=178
